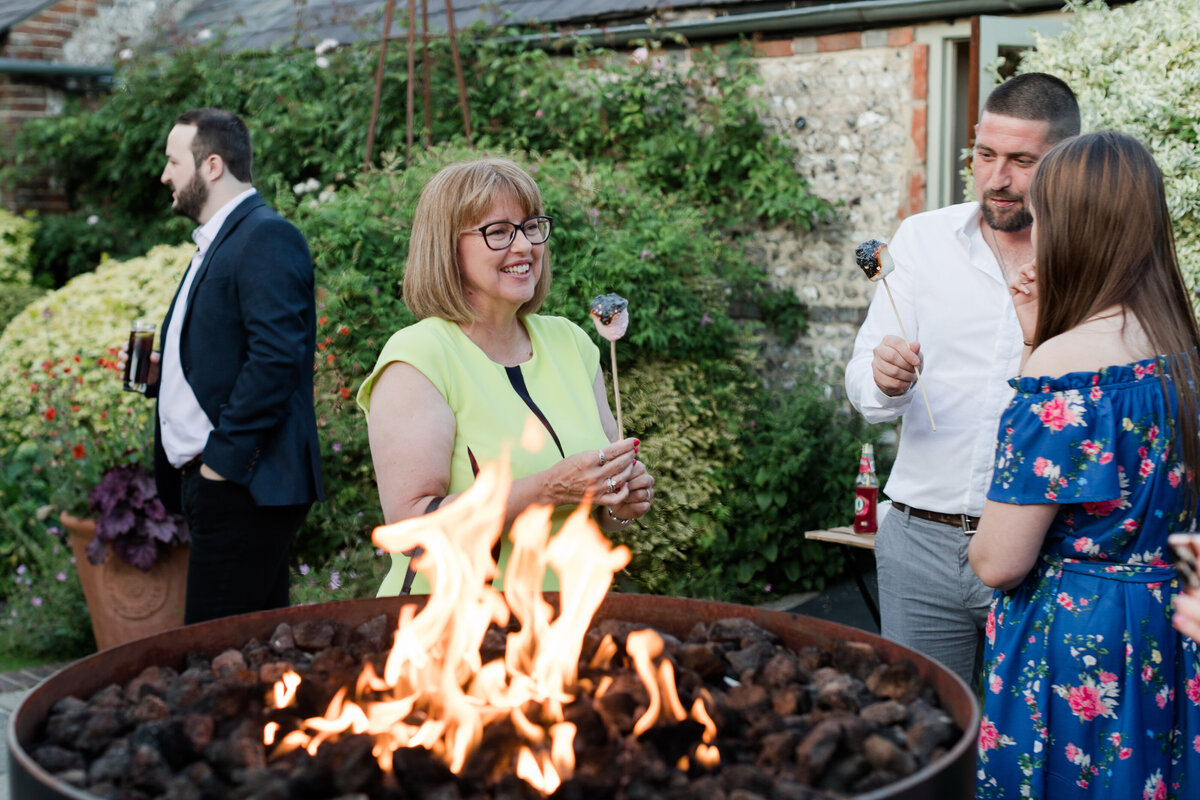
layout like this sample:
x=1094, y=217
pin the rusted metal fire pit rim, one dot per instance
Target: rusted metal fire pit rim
x=674, y=615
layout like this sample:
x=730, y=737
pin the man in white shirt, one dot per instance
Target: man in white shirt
x=951, y=288
x=236, y=447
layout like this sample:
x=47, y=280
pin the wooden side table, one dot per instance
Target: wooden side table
x=845, y=535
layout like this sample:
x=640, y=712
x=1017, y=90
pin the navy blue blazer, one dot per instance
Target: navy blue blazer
x=246, y=349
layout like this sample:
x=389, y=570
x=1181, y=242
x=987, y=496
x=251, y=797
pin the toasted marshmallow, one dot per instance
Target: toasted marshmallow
x=872, y=256
x=610, y=315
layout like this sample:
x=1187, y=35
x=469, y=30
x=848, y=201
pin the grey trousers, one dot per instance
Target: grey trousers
x=929, y=598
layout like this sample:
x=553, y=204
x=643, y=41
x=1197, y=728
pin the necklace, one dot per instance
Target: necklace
x=999, y=256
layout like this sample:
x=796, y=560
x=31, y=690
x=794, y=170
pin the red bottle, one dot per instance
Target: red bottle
x=866, y=493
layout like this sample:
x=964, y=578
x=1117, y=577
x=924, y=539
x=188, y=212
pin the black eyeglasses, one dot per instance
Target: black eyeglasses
x=499, y=235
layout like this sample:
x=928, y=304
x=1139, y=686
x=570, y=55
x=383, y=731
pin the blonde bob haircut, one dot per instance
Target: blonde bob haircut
x=456, y=200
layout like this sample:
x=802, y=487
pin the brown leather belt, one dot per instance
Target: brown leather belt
x=968, y=524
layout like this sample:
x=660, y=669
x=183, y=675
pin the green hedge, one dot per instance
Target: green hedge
x=689, y=128
x=688, y=373
x=16, y=259
x=653, y=176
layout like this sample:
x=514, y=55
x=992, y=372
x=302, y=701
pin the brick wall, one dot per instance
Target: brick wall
x=41, y=37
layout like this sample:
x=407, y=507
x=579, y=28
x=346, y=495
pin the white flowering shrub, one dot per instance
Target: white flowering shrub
x=80, y=326
x=16, y=238
x=16, y=243
x=1136, y=69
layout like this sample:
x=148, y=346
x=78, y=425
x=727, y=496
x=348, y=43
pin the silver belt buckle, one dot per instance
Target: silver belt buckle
x=965, y=522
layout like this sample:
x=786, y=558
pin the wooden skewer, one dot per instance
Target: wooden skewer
x=616, y=389
x=920, y=383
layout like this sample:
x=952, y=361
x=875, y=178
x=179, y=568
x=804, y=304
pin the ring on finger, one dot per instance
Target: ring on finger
x=603, y=458
x=612, y=486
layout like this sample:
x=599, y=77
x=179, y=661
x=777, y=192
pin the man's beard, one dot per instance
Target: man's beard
x=1016, y=219
x=190, y=198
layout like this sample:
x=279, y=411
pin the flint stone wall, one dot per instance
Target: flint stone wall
x=852, y=115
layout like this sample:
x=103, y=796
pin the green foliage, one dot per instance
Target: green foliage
x=67, y=245
x=1136, y=69
x=16, y=240
x=800, y=457
x=63, y=414
x=610, y=234
x=44, y=615
x=652, y=172
x=684, y=414
x=15, y=298
x=16, y=245
x=353, y=572
x=689, y=129
x=23, y=493
x=687, y=125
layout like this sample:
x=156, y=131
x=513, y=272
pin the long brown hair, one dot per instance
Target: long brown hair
x=1104, y=239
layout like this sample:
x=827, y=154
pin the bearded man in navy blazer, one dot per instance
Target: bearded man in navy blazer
x=236, y=448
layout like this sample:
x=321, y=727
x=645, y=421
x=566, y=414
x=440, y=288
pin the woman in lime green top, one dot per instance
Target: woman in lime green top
x=460, y=388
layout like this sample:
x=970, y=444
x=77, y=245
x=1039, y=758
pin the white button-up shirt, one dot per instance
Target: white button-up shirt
x=184, y=425
x=950, y=293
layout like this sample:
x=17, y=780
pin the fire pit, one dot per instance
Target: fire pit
x=951, y=775
x=486, y=695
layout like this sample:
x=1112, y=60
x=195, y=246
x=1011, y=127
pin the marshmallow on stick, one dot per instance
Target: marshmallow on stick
x=873, y=257
x=610, y=315
x=876, y=263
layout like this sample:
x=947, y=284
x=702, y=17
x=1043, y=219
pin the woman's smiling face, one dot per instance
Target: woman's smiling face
x=499, y=280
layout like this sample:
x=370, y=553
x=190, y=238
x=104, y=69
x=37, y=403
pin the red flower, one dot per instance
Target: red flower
x=50, y=414
x=1057, y=414
x=344, y=392
x=1085, y=702
x=1102, y=508
x=989, y=738
x=79, y=452
x=344, y=330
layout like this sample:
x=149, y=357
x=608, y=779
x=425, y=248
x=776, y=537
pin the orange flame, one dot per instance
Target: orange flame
x=436, y=693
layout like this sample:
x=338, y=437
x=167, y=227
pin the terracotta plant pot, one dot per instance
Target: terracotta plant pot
x=124, y=602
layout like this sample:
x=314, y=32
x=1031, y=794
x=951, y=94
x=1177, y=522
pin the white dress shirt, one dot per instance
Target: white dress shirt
x=950, y=292
x=184, y=425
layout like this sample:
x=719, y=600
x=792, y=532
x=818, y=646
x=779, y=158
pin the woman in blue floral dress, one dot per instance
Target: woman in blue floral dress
x=1089, y=691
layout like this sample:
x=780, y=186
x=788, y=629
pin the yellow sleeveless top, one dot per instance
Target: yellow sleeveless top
x=490, y=412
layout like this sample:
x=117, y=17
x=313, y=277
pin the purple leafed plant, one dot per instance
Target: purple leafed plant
x=131, y=518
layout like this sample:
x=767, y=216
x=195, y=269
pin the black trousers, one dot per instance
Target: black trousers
x=239, y=552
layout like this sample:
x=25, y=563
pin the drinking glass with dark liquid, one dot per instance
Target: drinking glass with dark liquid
x=141, y=344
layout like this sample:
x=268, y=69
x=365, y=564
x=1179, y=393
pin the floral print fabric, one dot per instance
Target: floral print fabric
x=1088, y=690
